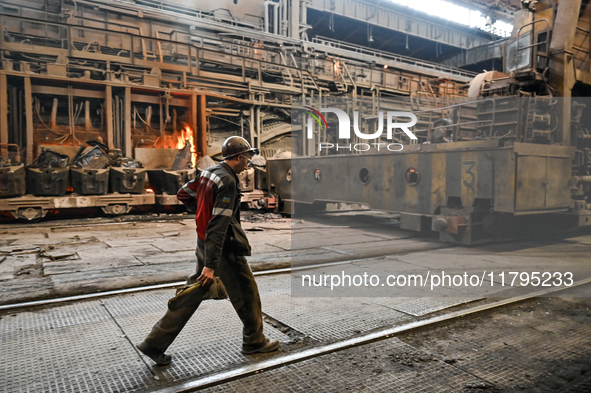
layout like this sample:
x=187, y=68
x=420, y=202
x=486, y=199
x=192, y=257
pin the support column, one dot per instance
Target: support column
x=193, y=117
x=127, y=127
x=251, y=126
x=259, y=127
x=294, y=18
x=568, y=81
x=109, y=116
x=30, y=155
x=194, y=123
x=201, y=126
x=304, y=132
x=562, y=70
x=3, y=114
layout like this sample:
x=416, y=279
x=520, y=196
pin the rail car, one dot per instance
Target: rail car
x=512, y=157
x=508, y=151
x=30, y=193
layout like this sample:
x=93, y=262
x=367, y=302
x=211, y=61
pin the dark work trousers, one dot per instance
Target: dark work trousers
x=243, y=292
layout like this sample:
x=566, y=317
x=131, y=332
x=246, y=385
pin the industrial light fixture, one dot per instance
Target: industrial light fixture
x=459, y=14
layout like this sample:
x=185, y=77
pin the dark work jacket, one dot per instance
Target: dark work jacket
x=214, y=196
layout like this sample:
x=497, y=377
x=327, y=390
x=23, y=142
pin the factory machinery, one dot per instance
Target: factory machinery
x=98, y=98
x=115, y=104
x=511, y=159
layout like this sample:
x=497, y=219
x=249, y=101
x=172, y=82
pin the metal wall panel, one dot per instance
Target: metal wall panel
x=504, y=181
x=531, y=179
x=467, y=174
x=558, y=182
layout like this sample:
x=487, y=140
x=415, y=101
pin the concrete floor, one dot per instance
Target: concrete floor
x=63, y=258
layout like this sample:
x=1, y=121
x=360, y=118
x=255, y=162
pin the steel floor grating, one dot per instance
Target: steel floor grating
x=370, y=368
x=422, y=305
x=73, y=348
x=84, y=347
x=81, y=348
x=211, y=340
x=329, y=319
x=316, y=316
x=556, y=341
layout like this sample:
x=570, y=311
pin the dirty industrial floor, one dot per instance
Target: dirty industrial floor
x=463, y=342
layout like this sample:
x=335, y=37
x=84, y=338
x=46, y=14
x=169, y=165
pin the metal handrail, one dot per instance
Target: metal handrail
x=492, y=120
x=7, y=145
x=389, y=56
x=532, y=38
x=133, y=37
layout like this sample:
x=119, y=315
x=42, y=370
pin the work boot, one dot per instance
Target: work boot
x=155, y=354
x=269, y=346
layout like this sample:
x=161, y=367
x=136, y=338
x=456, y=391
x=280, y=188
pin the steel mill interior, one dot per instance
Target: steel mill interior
x=419, y=211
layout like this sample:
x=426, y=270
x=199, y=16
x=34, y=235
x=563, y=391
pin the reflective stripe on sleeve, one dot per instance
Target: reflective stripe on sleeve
x=219, y=211
x=189, y=191
x=213, y=177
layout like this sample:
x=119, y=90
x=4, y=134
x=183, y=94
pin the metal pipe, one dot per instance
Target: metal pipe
x=148, y=116
x=284, y=17
x=18, y=154
x=30, y=134
x=117, y=123
x=174, y=118
x=275, y=18
x=167, y=107
x=267, y=4
x=583, y=179
x=15, y=132
x=53, y=120
x=4, y=112
x=87, y=122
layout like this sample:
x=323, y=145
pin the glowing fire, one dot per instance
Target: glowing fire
x=177, y=141
x=187, y=134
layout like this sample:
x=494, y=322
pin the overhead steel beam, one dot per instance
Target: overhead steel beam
x=387, y=18
x=52, y=90
x=494, y=50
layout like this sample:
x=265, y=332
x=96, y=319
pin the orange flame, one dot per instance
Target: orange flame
x=187, y=134
x=177, y=141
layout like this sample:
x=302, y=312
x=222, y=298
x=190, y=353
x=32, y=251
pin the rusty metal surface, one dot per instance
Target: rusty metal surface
x=352, y=371
x=518, y=348
x=531, y=183
x=155, y=158
x=466, y=175
x=42, y=204
x=558, y=182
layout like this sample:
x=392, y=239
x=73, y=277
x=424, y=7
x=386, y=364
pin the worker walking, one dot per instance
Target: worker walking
x=221, y=249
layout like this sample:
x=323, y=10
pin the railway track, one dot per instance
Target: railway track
x=320, y=333
x=306, y=354
x=311, y=353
